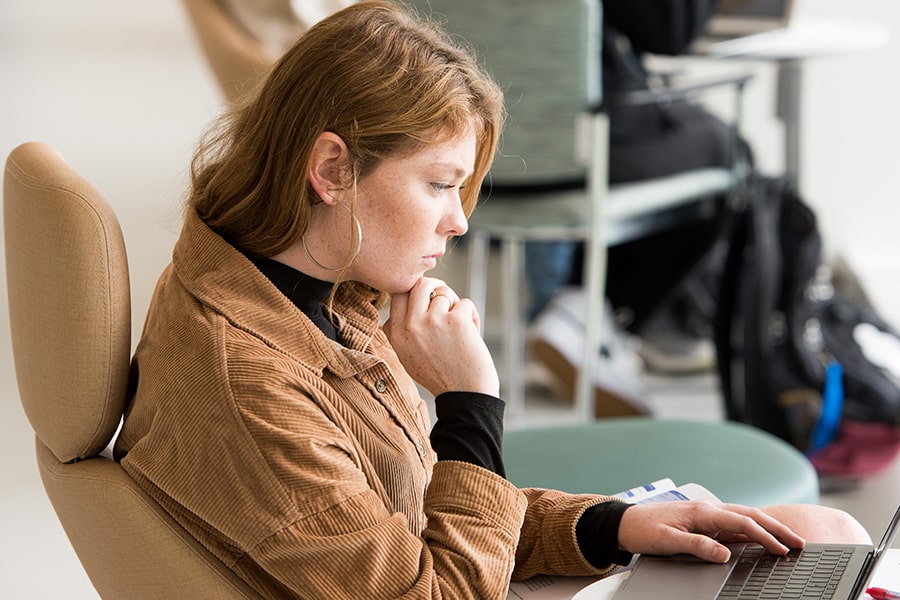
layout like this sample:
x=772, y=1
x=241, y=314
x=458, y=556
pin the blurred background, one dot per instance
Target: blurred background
x=122, y=91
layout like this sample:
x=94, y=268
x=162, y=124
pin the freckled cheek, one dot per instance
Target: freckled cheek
x=387, y=236
x=395, y=220
x=388, y=228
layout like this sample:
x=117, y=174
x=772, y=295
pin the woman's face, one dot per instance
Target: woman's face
x=408, y=207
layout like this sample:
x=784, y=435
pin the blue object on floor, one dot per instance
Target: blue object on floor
x=832, y=408
x=736, y=462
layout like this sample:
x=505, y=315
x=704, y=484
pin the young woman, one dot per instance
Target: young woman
x=278, y=420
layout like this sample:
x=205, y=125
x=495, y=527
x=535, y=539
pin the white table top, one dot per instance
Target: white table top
x=803, y=38
x=888, y=573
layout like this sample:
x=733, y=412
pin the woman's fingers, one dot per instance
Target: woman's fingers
x=436, y=337
x=769, y=525
x=442, y=295
x=698, y=527
x=699, y=545
x=732, y=521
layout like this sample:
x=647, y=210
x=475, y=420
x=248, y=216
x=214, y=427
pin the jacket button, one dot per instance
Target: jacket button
x=422, y=448
x=381, y=385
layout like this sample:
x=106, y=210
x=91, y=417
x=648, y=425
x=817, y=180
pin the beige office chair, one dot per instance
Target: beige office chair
x=70, y=323
x=242, y=39
x=549, y=180
x=237, y=59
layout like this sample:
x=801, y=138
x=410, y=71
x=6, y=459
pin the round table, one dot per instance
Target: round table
x=736, y=462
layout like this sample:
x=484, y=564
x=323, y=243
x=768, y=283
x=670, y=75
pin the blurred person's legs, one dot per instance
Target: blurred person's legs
x=548, y=267
x=681, y=137
x=646, y=280
x=672, y=315
x=557, y=338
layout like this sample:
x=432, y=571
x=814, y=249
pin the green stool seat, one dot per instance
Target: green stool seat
x=736, y=462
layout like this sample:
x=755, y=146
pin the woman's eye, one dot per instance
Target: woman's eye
x=441, y=186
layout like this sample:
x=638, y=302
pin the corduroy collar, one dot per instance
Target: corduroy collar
x=221, y=277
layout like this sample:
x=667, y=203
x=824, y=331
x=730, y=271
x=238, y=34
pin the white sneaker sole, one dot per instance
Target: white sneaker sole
x=607, y=404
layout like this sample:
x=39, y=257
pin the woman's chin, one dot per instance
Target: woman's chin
x=401, y=287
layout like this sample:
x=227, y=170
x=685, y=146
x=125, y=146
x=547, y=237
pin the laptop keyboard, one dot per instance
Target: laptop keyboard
x=801, y=575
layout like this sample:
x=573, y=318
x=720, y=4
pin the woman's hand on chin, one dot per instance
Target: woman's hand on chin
x=437, y=337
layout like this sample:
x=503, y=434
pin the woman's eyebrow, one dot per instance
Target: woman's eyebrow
x=456, y=169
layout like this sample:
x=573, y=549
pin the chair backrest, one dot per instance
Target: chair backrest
x=546, y=57
x=69, y=303
x=70, y=321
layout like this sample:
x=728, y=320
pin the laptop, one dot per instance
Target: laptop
x=737, y=18
x=826, y=571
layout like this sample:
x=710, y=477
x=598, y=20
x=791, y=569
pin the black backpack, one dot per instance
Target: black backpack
x=789, y=355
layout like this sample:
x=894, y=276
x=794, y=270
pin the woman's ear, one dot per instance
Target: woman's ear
x=327, y=165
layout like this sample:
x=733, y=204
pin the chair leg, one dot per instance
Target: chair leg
x=512, y=251
x=512, y=328
x=595, y=272
x=594, y=266
x=479, y=247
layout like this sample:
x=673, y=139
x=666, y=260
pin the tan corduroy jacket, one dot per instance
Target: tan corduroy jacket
x=305, y=464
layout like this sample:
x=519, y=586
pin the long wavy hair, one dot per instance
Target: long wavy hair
x=378, y=75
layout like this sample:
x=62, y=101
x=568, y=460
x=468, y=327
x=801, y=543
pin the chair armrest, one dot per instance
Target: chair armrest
x=672, y=93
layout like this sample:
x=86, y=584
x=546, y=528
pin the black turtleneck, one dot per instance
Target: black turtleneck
x=307, y=293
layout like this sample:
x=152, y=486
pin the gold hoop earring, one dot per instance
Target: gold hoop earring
x=355, y=252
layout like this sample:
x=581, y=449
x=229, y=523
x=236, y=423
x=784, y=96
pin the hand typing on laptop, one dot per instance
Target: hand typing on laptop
x=699, y=527
x=836, y=561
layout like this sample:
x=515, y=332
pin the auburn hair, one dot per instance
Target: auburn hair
x=378, y=75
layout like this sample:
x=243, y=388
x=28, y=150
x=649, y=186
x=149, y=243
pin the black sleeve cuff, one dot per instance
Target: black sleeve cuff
x=469, y=428
x=597, y=532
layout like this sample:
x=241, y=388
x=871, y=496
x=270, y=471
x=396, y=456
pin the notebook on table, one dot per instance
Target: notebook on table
x=736, y=18
x=822, y=571
x=743, y=21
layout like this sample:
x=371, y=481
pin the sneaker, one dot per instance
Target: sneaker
x=557, y=340
x=670, y=347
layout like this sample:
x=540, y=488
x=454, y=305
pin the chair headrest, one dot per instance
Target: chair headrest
x=69, y=302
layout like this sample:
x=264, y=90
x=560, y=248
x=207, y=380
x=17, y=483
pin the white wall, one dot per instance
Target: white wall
x=850, y=161
x=119, y=89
